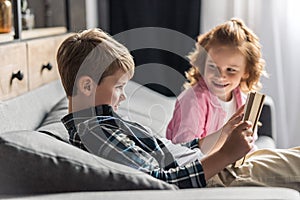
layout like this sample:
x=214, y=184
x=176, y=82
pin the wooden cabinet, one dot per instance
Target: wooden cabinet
x=42, y=60
x=28, y=57
x=28, y=65
x=13, y=70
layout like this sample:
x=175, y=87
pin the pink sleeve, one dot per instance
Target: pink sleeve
x=188, y=120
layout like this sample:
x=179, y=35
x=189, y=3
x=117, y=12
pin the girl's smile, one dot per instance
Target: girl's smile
x=225, y=67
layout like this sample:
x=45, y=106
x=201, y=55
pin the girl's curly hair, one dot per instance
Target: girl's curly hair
x=231, y=33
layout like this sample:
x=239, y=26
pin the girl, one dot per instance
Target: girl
x=226, y=64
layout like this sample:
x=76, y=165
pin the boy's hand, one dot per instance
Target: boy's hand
x=238, y=143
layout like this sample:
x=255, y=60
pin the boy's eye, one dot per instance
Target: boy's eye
x=119, y=87
x=212, y=66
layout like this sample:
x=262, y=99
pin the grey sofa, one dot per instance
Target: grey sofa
x=37, y=162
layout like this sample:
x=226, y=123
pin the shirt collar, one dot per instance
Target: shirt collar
x=71, y=119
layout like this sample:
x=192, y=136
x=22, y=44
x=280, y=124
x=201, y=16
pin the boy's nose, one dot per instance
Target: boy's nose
x=123, y=97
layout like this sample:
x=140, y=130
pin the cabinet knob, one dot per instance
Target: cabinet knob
x=48, y=66
x=19, y=75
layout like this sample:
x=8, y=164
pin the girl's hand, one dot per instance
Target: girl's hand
x=233, y=122
x=213, y=142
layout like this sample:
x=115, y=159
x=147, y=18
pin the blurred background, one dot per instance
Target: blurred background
x=276, y=22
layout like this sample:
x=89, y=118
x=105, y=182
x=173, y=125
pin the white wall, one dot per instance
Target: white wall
x=91, y=14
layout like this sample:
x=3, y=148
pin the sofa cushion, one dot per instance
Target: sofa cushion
x=32, y=162
x=52, y=124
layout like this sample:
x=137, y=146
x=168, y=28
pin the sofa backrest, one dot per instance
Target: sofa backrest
x=28, y=111
x=147, y=107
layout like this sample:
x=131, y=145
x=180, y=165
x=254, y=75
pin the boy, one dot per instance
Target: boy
x=94, y=70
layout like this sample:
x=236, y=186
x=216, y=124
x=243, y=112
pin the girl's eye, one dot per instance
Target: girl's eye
x=231, y=70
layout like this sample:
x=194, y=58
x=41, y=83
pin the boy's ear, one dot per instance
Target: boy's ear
x=85, y=85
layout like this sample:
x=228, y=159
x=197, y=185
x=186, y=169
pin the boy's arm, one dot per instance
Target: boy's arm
x=198, y=172
x=113, y=144
x=107, y=140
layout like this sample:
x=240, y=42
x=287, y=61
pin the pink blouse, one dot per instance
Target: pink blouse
x=198, y=113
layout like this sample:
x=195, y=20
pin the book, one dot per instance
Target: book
x=253, y=108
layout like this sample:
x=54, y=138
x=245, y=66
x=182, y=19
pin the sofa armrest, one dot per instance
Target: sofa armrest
x=240, y=193
x=267, y=132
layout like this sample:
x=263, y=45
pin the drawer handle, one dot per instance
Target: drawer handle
x=48, y=66
x=19, y=75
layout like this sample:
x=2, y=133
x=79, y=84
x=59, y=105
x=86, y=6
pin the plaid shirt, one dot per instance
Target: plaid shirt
x=101, y=131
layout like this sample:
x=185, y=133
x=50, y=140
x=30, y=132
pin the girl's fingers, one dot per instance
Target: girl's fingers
x=245, y=127
x=238, y=114
x=249, y=139
x=240, y=111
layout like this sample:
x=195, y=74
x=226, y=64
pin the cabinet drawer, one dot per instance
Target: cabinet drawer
x=13, y=70
x=41, y=61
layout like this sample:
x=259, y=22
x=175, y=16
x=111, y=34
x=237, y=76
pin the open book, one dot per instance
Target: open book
x=253, y=107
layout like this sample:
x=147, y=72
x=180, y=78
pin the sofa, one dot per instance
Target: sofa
x=37, y=161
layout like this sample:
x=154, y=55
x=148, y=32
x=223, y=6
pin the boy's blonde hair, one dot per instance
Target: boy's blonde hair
x=93, y=53
x=231, y=33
